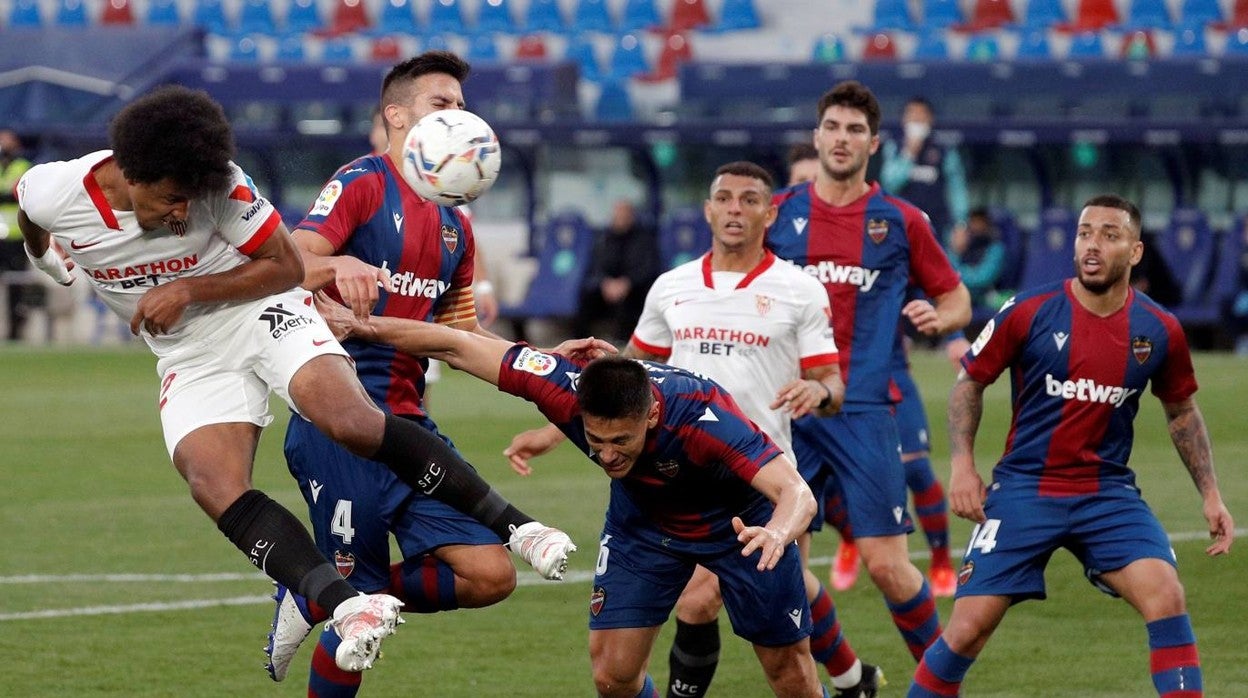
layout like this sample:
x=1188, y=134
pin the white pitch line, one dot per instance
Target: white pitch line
x=522, y=579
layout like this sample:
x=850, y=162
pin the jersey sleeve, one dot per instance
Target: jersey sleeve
x=546, y=380
x=930, y=269
x=723, y=434
x=653, y=335
x=244, y=217
x=816, y=345
x=1176, y=380
x=347, y=201
x=998, y=343
x=41, y=193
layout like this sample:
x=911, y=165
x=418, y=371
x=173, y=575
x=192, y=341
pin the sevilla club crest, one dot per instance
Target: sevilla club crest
x=1141, y=348
x=877, y=229
x=762, y=304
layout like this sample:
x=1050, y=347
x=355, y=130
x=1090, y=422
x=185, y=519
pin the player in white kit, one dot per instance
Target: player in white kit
x=175, y=239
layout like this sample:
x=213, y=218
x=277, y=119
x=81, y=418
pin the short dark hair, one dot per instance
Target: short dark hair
x=402, y=75
x=921, y=102
x=614, y=387
x=174, y=133
x=744, y=168
x=800, y=152
x=854, y=95
x=1120, y=203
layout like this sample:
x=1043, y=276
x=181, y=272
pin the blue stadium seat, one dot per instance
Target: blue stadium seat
x=639, y=15
x=581, y=51
x=828, y=48
x=684, y=236
x=983, y=48
x=302, y=16
x=892, y=15
x=436, y=42
x=592, y=16
x=290, y=48
x=735, y=15
x=1237, y=42
x=445, y=16
x=25, y=15
x=1043, y=14
x=245, y=49
x=256, y=17
x=483, y=49
x=163, y=13
x=628, y=59
x=209, y=15
x=495, y=16
x=1187, y=247
x=1189, y=40
x=1050, y=249
x=1033, y=45
x=1232, y=249
x=563, y=251
x=931, y=46
x=1015, y=241
x=337, y=50
x=1147, y=14
x=1200, y=12
x=614, y=102
x=1086, y=44
x=396, y=17
x=941, y=14
x=543, y=16
x=71, y=13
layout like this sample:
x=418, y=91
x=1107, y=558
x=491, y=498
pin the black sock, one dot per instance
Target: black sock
x=692, y=661
x=274, y=540
x=427, y=464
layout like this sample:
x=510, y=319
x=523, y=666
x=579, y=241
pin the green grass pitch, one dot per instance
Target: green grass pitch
x=93, y=515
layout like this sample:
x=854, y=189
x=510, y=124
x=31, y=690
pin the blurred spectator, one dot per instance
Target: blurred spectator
x=625, y=261
x=924, y=173
x=803, y=163
x=12, y=257
x=979, y=256
x=1237, y=316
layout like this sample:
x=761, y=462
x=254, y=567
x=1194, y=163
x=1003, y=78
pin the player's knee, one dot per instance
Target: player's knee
x=699, y=604
x=490, y=579
x=790, y=671
x=611, y=680
x=889, y=572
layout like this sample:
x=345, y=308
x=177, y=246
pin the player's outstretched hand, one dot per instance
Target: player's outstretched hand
x=586, y=349
x=161, y=308
x=760, y=538
x=967, y=494
x=922, y=314
x=1221, y=528
x=531, y=444
x=357, y=283
x=339, y=318
x=799, y=397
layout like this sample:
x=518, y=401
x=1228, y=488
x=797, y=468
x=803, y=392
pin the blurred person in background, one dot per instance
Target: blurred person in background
x=12, y=166
x=978, y=254
x=624, y=263
x=925, y=173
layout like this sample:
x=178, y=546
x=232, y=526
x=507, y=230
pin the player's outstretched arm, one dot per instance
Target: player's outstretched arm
x=531, y=444
x=357, y=281
x=46, y=256
x=780, y=482
x=966, y=487
x=1191, y=440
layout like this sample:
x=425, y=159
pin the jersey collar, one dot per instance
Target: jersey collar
x=97, y=195
x=769, y=258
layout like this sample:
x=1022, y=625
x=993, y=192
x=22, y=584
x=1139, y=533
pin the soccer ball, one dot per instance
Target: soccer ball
x=451, y=157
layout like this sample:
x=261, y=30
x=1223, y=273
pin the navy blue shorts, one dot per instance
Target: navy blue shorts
x=355, y=503
x=910, y=415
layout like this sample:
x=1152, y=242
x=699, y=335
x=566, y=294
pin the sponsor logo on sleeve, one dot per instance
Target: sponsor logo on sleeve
x=329, y=196
x=535, y=362
x=982, y=340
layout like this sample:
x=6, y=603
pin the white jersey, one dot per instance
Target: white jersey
x=751, y=333
x=122, y=261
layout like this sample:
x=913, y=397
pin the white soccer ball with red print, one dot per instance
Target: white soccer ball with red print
x=451, y=157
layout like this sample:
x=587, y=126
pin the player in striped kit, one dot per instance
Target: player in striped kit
x=866, y=248
x=1080, y=354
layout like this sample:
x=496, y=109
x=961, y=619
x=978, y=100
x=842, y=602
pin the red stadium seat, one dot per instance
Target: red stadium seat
x=688, y=14
x=531, y=47
x=879, y=47
x=117, y=12
x=385, y=49
x=677, y=49
x=349, y=16
x=990, y=14
x=1239, y=14
x=1095, y=15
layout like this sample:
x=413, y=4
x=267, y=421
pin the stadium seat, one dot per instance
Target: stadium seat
x=592, y=16
x=1148, y=14
x=256, y=17
x=581, y=51
x=117, y=12
x=446, y=17
x=891, y=15
x=677, y=49
x=531, y=47
x=495, y=16
x=614, y=102
x=290, y=48
x=209, y=15
x=639, y=15
x=828, y=48
x=1237, y=42
x=71, y=13
x=563, y=251
x=1015, y=242
x=879, y=47
x=337, y=50
x=302, y=16
x=1189, y=41
x=1043, y=14
x=483, y=49
x=1086, y=44
x=1034, y=45
x=735, y=15
x=1232, y=256
x=385, y=49
x=24, y=14
x=1138, y=45
x=349, y=16
x=629, y=57
x=1239, y=14
x=1202, y=12
x=396, y=17
x=1050, y=250
x=941, y=14
x=931, y=46
x=684, y=236
x=982, y=48
x=688, y=14
x=436, y=42
x=1187, y=247
x=990, y=14
x=543, y=16
x=1094, y=14
x=162, y=13
x=245, y=49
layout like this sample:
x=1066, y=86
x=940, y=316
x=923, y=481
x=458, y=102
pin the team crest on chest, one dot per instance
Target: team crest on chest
x=450, y=237
x=667, y=468
x=1141, y=348
x=877, y=229
x=762, y=304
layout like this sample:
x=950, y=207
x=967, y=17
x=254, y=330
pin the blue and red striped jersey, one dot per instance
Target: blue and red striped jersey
x=367, y=211
x=698, y=462
x=1076, y=380
x=865, y=254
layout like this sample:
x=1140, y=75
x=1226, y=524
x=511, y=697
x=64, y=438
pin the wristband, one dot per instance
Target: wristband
x=50, y=263
x=483, y=288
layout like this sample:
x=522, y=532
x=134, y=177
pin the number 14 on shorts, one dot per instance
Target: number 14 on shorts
x=984, y=536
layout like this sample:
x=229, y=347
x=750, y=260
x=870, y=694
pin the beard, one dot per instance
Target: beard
x=1113, y=275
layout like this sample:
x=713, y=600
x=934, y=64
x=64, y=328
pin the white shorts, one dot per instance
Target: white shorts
x=224, y=369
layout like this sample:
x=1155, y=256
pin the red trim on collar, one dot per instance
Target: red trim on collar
x=97, y=195
x=769, y=258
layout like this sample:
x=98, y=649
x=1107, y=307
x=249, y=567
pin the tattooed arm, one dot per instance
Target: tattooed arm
x=1191, y=440
x=966, y=487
